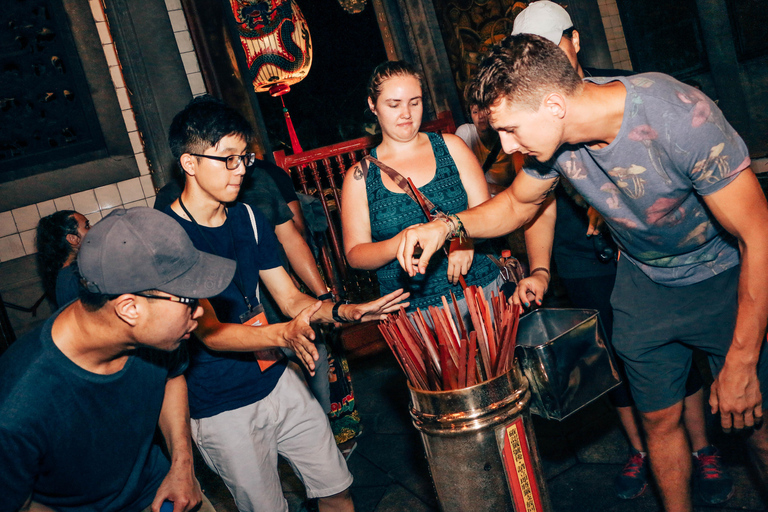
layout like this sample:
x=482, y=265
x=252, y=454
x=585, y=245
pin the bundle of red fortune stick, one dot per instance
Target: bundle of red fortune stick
x=451, y=355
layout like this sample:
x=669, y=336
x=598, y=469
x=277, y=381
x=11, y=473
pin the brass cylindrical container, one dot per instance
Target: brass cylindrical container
x=481, y=447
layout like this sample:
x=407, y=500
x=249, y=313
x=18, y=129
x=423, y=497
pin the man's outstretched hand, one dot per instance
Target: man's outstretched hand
x=430, y=237
x=299, y=336
x=376, y=309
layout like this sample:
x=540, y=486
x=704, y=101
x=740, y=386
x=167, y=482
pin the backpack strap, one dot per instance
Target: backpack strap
x=253, y=222
x=491, y=158
x=256, y=236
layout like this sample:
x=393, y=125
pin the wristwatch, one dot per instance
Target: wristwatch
x=335, y=311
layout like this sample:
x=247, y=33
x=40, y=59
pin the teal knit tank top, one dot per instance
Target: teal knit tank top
x=392, y=212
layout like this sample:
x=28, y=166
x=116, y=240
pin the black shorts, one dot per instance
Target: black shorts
x=655, y=328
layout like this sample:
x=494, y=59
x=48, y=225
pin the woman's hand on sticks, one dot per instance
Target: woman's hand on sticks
x=460, y=259
x=430, y=237
x=531, y=289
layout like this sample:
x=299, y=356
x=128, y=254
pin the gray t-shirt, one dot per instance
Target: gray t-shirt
x=673, y=148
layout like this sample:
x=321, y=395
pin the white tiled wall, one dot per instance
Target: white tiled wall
x=17, y=227
x=186, y=49
x=614, y=32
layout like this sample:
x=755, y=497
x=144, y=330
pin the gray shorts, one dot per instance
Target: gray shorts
x=242, y=446
x=655, y=328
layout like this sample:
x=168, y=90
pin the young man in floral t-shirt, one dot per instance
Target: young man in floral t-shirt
x=671, y=178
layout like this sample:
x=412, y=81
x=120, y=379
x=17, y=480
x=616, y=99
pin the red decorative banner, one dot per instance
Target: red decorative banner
x=519, y=468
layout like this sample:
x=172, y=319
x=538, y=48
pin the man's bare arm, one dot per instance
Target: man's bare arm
x=300, y=257
x=180, y=485
x=298, y=217
x=33, y=506
x=539, y=239
x=741, y=208
x=506, y=212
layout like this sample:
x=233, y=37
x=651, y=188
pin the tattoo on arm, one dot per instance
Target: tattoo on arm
x=358, y=173
x=549, y=191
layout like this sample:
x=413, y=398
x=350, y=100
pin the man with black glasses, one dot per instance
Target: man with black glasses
x=245, y=409
x=82, y=396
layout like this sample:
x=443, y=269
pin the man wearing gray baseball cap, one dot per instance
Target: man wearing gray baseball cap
x=82, y=396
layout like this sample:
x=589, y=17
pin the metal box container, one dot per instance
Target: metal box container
x=564, y=355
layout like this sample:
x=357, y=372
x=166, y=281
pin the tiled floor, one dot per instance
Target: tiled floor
x=581, y=456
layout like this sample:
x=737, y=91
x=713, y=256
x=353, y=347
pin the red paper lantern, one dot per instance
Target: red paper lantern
x=275, y=39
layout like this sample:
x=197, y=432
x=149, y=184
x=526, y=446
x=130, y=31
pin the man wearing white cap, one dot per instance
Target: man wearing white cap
x=550, y=21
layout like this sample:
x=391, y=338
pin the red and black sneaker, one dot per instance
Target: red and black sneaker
x=633, y=479
x=714, y=484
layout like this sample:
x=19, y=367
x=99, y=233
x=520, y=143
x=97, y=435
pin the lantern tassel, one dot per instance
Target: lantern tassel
x=291, y=131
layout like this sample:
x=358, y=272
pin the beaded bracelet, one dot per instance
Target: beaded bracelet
x=455, y=226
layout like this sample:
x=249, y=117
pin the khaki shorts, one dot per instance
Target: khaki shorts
x=242, y=446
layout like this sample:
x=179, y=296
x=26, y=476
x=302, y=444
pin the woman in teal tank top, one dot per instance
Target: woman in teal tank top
x=375, y=211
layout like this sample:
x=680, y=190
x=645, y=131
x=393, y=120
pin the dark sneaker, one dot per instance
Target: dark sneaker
x=714, y=483
x=633, y=479
x=309, y=506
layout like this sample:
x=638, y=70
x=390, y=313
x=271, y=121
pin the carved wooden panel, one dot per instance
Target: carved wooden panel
x=46, y=112
x=470, y=28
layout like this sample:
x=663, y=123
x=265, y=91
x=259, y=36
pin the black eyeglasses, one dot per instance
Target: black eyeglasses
x=233, y=161
x=192, y=303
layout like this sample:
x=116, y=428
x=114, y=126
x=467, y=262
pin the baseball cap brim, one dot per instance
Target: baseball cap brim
x=208, y=277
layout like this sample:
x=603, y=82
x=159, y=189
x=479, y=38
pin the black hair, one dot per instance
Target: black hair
x=203, y=123
x=92, y=301
x=53, y=248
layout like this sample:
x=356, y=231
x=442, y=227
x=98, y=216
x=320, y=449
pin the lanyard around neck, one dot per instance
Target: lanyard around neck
x=237, y=280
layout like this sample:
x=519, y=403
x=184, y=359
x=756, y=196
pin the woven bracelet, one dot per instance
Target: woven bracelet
x=452, y=227
x=462, y=231
x=455, y=226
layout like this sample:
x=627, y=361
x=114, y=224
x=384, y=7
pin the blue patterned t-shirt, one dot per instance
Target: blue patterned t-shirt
x=673, y=148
